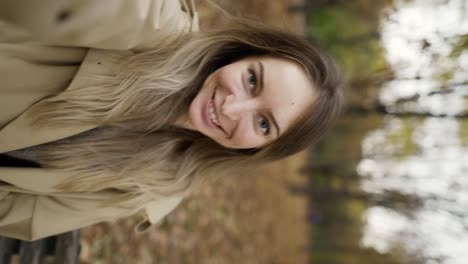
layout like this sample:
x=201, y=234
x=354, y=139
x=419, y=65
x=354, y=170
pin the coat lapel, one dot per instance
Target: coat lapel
x=19, y=134
x=34, y=180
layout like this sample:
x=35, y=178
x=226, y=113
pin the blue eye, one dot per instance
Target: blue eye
x=252, y=80
x=264, y=125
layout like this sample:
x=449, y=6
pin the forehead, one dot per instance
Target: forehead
x=288, y=91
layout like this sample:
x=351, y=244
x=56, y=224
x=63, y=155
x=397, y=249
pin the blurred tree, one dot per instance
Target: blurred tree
x=350, y=31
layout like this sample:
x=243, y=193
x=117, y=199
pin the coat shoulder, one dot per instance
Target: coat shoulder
x=117, y=24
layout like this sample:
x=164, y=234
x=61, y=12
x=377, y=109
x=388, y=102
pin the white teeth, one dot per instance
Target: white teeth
x=213, y=116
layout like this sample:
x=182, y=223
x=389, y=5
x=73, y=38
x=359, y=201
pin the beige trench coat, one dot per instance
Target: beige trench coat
x=45, y=48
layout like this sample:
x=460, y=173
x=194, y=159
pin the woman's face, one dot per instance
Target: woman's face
x=251, y=102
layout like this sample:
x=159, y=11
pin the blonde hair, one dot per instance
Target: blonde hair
x=136, y=149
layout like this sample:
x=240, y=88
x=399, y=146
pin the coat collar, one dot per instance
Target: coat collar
x=20, y=133
x=44, y=179
x=189, y=7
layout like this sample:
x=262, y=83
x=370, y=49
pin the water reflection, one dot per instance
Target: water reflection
x=423, y=160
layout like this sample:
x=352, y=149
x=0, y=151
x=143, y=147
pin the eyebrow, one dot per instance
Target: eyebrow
x=269, y=113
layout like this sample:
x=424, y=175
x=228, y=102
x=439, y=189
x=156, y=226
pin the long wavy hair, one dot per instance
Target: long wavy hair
x=135, y=147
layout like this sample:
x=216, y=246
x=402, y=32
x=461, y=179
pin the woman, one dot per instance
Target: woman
x=111, y=109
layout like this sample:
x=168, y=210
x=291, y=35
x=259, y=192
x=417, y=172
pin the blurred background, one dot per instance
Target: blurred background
x=389, y=184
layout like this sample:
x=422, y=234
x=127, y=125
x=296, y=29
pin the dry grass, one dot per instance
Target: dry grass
x=245, y=219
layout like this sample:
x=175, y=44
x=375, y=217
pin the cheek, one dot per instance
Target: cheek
x=241, y=139
x=209, y=83
x=245, y=137
x=226, y=77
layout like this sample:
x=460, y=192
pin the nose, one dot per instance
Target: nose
x=234, y=107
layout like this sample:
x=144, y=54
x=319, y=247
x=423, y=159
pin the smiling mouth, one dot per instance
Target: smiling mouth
x=212, y=113
x=213, y=116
